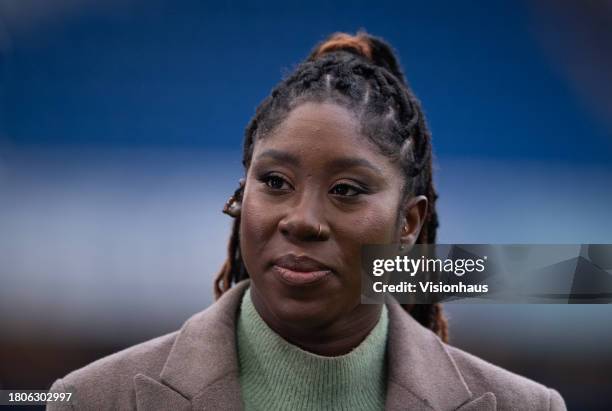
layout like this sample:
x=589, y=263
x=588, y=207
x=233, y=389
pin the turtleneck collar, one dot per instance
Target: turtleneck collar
x=275, y=374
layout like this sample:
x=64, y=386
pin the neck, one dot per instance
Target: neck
x=334, y=338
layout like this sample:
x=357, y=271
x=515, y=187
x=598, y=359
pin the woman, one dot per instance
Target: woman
x=338, y=156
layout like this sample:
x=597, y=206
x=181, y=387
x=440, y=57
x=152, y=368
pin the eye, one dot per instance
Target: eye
x=346, y=190
x=276, y=182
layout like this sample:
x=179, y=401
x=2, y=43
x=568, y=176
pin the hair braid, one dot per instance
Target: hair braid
x=361, y=73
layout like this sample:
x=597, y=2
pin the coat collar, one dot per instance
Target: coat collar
x=422, y=374
x=201, y=371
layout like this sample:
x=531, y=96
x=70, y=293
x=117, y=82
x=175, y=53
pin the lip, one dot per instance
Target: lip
x=300, y=270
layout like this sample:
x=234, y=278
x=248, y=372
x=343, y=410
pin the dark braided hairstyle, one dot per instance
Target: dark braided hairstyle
x=362, y=74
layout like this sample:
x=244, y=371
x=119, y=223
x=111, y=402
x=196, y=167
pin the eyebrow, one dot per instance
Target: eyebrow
x=337, y=163
x=280, y=156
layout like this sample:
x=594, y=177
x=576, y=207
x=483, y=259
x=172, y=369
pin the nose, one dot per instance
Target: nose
x=305, y=220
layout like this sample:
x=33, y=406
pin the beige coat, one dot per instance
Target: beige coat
x=197, y=368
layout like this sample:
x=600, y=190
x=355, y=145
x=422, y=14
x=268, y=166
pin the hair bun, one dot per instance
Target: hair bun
x=374, y=49
x=358, y=44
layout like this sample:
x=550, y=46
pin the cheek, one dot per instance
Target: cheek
x=256, y=227
x=375, y=224
x=382, y=226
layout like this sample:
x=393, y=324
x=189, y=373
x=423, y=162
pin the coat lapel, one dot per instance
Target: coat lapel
x=485, y=402
x=422, y=375
x=202, y=367
x=154, y=396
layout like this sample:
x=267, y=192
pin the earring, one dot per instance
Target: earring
x=403, y=247
x=233, y=205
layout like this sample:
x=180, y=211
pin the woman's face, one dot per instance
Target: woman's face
x=317, y=189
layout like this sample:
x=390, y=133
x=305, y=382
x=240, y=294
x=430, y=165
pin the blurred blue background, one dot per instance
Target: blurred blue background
x=121, y=125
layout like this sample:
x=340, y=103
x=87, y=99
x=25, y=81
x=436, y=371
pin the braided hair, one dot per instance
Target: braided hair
x=362, y=74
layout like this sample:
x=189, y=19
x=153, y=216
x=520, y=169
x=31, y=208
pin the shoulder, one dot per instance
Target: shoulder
x=179, y=363
x=511, y=390
x=112, y=377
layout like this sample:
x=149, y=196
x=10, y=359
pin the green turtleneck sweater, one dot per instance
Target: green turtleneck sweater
x=277, y=375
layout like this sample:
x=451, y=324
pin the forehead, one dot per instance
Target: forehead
x=319, y=119
x=321, y=132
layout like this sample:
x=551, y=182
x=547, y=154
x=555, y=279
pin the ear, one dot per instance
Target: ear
x=415, y=210
x=233, y=206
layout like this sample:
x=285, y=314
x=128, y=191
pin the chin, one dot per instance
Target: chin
x=305, y=307
x=302, y=313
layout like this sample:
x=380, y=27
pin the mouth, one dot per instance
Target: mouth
x=300, y=270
